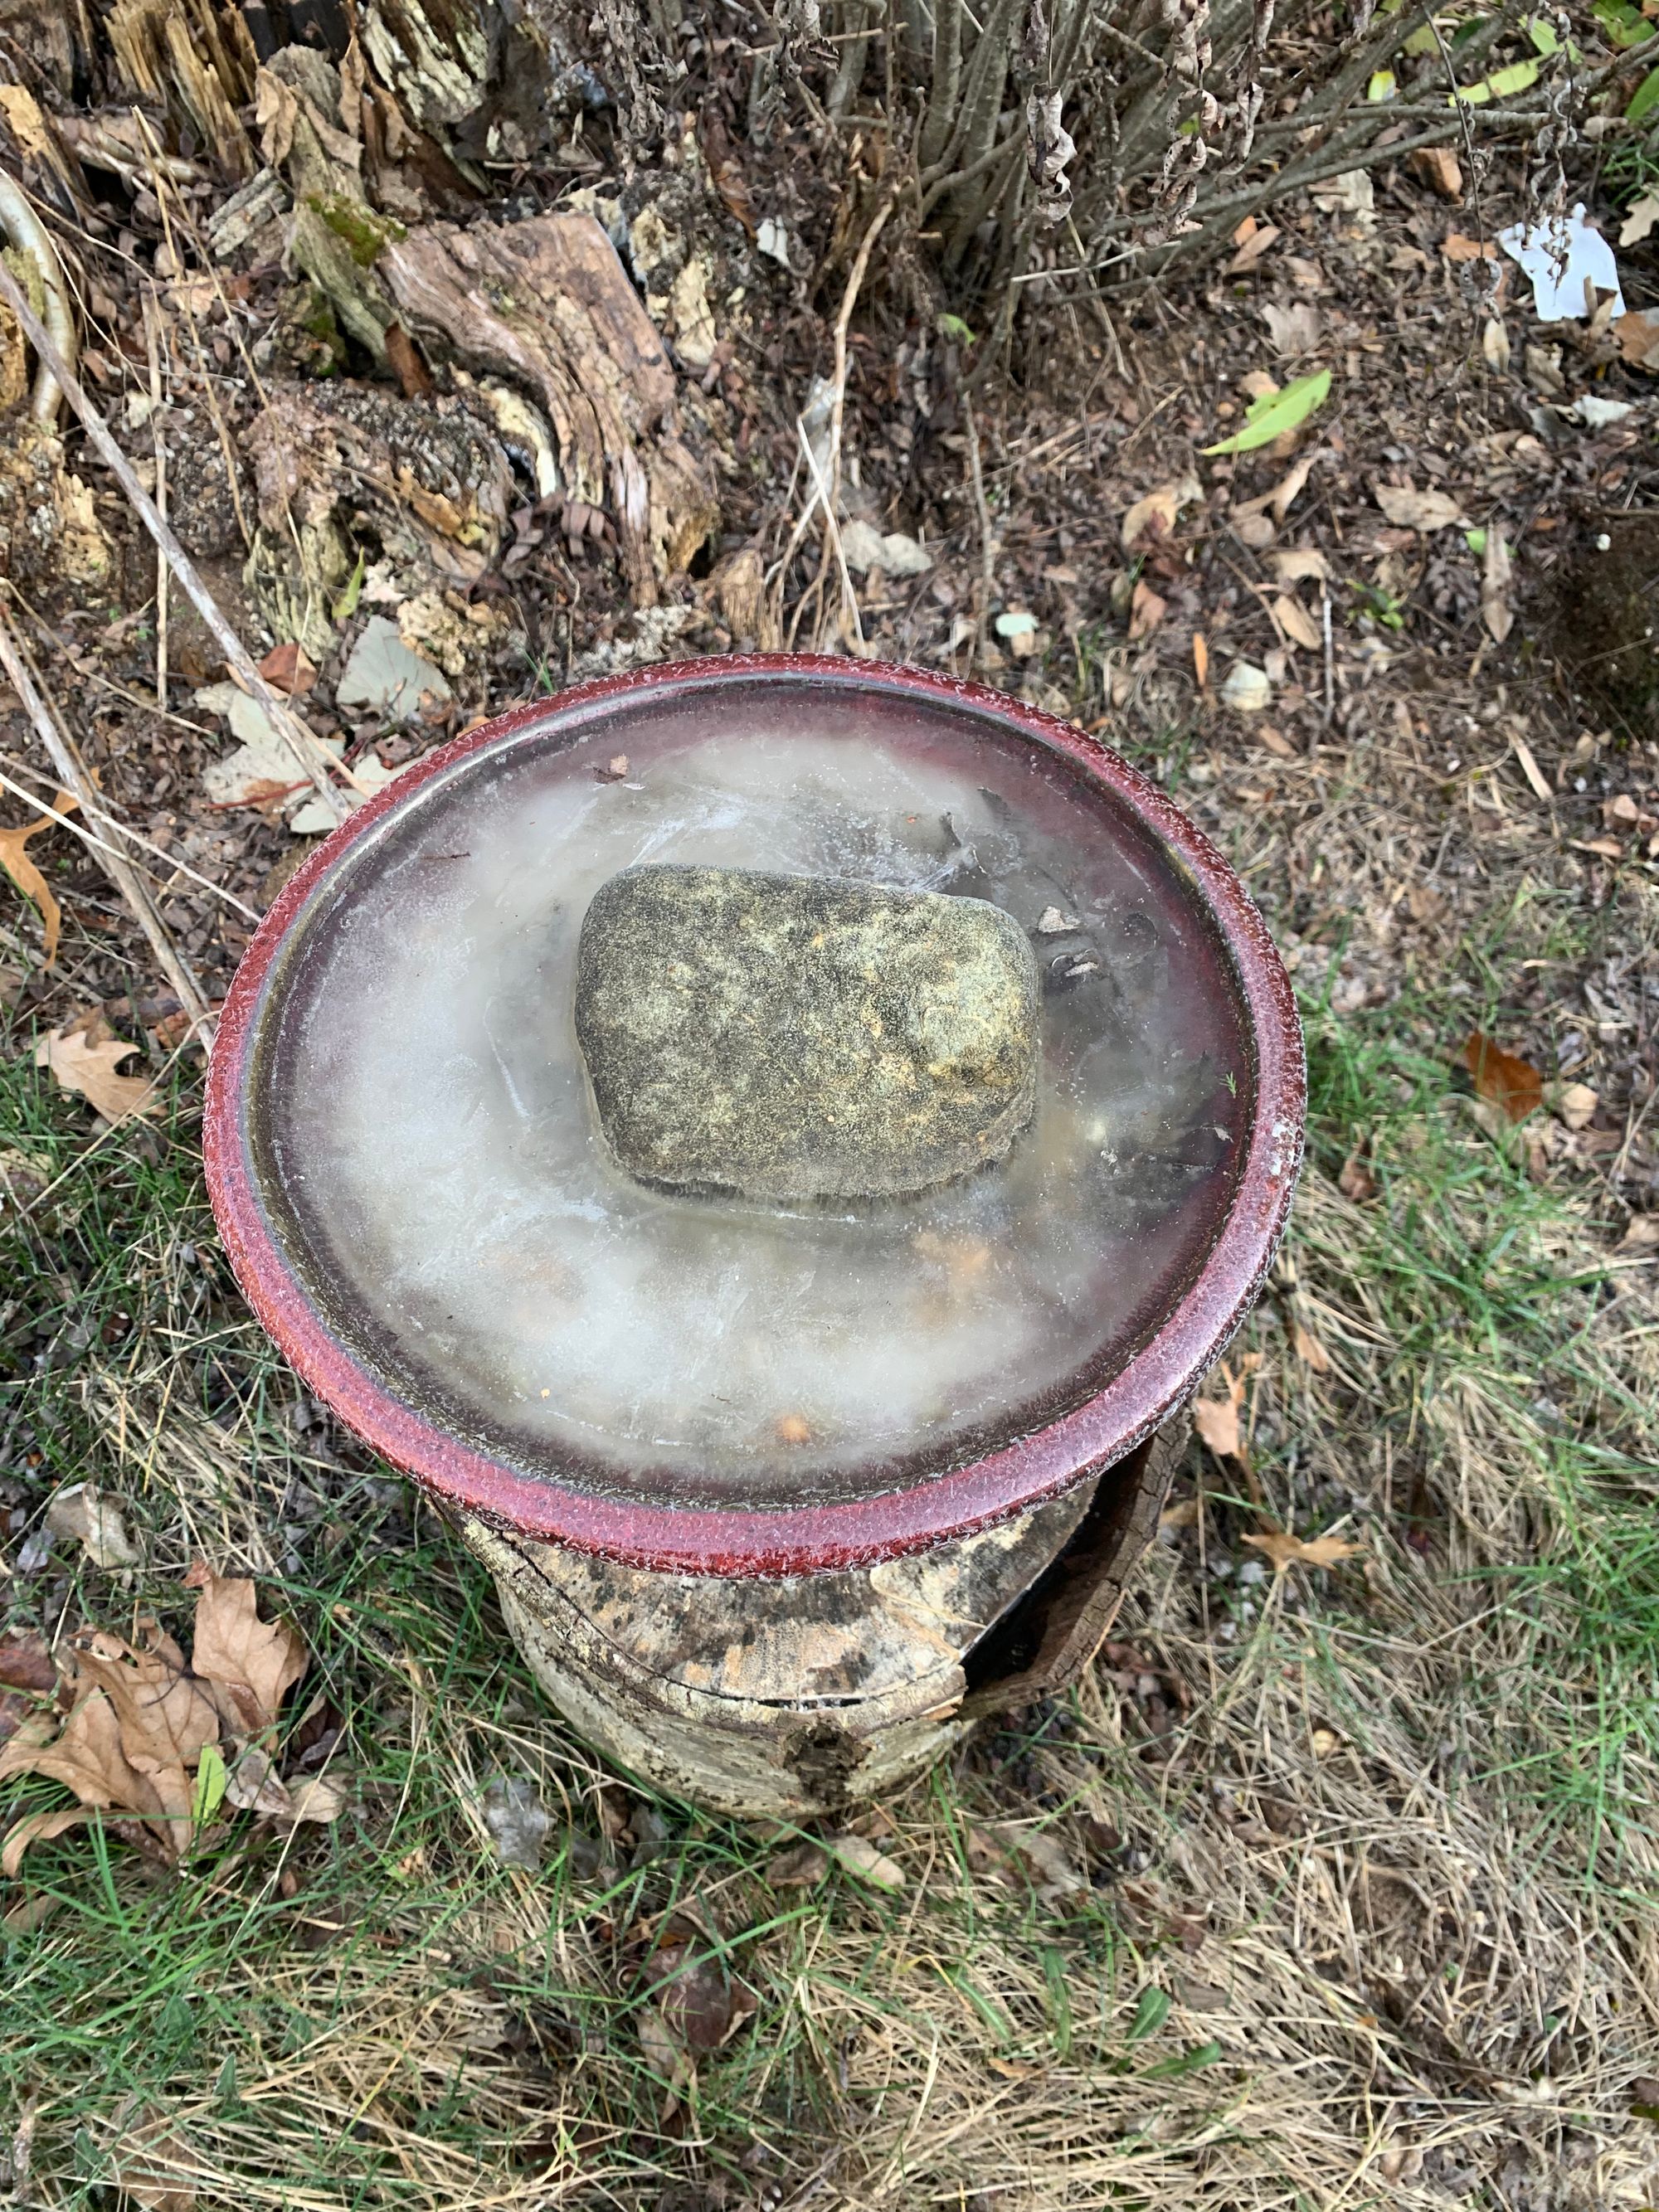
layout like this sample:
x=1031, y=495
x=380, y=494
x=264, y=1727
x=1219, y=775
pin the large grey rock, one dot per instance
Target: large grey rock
x=795, y=1036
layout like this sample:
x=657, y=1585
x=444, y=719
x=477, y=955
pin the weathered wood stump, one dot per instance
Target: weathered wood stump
x=788, y=1699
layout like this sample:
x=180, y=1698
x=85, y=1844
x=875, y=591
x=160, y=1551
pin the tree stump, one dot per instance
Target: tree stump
x=806, y=1696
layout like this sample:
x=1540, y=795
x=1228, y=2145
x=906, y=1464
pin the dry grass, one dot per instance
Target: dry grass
x=1367, y=1856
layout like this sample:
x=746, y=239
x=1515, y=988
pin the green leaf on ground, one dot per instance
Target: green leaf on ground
x=1271, y=417
x=1624, y=26
x=1150, y=2012
x=1502, y=84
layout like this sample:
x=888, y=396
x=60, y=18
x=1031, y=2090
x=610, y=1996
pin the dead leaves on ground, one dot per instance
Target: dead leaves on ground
x=85, y=1054
x=804, y=1865
x=83, y=1513
x=697, y=2004
x=1284, y=1549
x=158, y=1743
x=28, y=879
x=1512, y=1085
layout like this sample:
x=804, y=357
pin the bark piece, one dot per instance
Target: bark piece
x=794, y=1037
x=547, y=303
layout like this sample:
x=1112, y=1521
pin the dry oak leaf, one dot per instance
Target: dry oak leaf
x=140, y=1719
x=136, y=1722
x=1512, y=1084
x=1285, y=1550
x=1146, y=612
x=1216, y=1419
x=84, y=1054
x=28, y=879
x=1297, y=624
x=152, y=2167
x=1252, y=239
x=860, y=1857
x=801, y=1867
x=82, y=1511
x=1637, y=333
x=1153, y=520
x=1416, y=510
x=248, y=1663
x=1309, y=1348
x=1356, y=1181
x=1437, y=168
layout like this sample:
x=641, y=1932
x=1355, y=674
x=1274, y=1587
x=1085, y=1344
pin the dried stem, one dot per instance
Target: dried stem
x=987, y=557
x=314, y=764
x=72, y=773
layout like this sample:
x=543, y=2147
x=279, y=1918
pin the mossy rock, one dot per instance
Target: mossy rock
x=793, y=1038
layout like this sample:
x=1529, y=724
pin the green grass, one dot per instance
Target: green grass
x=1476, y=1272
x=378, y=2012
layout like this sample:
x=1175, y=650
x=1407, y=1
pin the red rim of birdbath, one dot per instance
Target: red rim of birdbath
x=775, y=1540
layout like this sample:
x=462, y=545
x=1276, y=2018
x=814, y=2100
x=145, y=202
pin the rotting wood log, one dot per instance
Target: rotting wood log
x=547, y=303
x=808, y=1696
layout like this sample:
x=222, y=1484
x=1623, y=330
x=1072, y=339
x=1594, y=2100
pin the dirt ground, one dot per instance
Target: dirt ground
x=1331, y=1884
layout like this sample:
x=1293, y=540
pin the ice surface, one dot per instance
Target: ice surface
x=431, y=1154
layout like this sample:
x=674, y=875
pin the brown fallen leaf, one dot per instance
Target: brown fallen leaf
x=253, y=1785
x=1512, y=1085
x=1297, y=624
x=1637, y=333
x=26, y=1663
x=28, y=879
x=289, y=669
x=700, y=2004
x=1355, y=1180
x=83, y=1512
x=1574, y=1103
x=859, y=1856
x=251, y=1663
x=1201, y=659
x=1497, y=609
x=1252, y=239
x=802, y=1866
x=1293, y=330
x=1308, y=1348
x=1147, y=610
x=1605, y=849
x=1437, y=168
x=1216, y=1419
x=1285, y=1550
x=1641, y=1233
x=1456, y=247
x=1042, y=1857
x=84, y=1054
x=1297, y=564
x=149, y=2165
x=1416, y=510
x=139, y=1722
x=1153, y=520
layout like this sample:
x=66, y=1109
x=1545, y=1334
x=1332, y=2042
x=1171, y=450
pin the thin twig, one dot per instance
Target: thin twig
x=308, y=754
x=987, y=565
x=120, y=870
x=113, y=822
x=850, y=597
x=153, y=345
x=829, y=492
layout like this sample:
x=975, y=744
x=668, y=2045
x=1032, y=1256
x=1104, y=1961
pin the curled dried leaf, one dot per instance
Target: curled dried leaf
x=1285, y=1550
